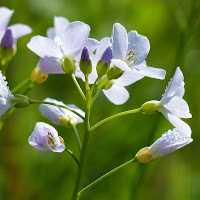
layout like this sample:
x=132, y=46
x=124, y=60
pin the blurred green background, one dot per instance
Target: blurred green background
x=173, y=28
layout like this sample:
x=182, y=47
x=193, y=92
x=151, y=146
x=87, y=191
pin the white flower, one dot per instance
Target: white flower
x=12, y=32
x=174, y=106
x=61, y=116
x=130, y=51
x=6, y=98
x=168, y=143
x=45, y=138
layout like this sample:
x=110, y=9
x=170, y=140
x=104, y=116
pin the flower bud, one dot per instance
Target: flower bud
x=85, y=62
x=104, y=64
x=37, y=76
x=8, y=40
x=151, y=107
x=69, y=65
x=143, y=155
x=114, y=73
x=68, y=121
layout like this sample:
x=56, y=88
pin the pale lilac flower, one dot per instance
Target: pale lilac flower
x=166, y=144
x=10, y=34
x=61, y=116
x=130, y=51
x=68, y=46
x=45, y=138
x=172, y=104
x=6, y=98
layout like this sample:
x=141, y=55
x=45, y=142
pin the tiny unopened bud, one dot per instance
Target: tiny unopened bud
x=22, y=100
x=37, y=76
x=69, y=65
x=85, y=62
x=151, y=107
x=8, y=40
x=114, y=73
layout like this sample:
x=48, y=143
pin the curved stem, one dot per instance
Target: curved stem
x=77, y=137
x=73, y=156
x=19, y=86
x=78, y=87
x=115, y=116
x=54, y=104
x=106, y=175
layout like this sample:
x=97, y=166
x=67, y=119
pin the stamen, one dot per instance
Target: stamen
x=130, y=52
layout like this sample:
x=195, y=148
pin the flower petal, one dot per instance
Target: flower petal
x=178, y=107
x=45, y=47
x=119, y=41
x=117, y=94
x=60, y=24
x=20, y=30
x=151, y=71
x=140, y=44
x=51, y=33
x=129, y=78
x=51, y=66
x=92, y=45
x=178, y=123
x=74, y=38
x=5, y=15
x=120, y=64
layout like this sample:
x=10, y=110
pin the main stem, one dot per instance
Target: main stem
x=85, y=144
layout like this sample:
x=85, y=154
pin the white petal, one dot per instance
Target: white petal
x=176, y=83
x=51, y=66
x=179, y=124
x=117, y=94
x=120, y=64
x=129, y=78
x=140, y=44
x=78, y=110
x=104, y=44
x=5, y=15
x=178, y=107
x=45, y=47
x=60, y=24
x=20, y=30
x=51, y=33
x=74, y=38
x=151, y=71
x=92, y=45
x=119, y=41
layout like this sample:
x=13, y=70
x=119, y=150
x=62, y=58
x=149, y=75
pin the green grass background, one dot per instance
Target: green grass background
x=173, y=28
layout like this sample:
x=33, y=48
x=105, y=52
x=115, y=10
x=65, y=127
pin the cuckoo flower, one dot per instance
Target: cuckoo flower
x=45, y=138
x=130, y=51
x=7, y=100
x=172, y=105
x=61, y=116
x=61, y=56
x=9, y=34
x=166, y=144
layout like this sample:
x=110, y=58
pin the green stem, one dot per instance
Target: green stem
x=85, y=143
x=19, y=86
x=78, y=87
x=115, y=116
x=101, y=85
x=77, y=137
x=73, y=156
x=106, y=175
x=54, y=104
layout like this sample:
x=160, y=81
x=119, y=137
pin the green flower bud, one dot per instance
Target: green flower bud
x=69, y=65
x=102, y=68
x=22, y=101
x=151, y=107
x=114, y=73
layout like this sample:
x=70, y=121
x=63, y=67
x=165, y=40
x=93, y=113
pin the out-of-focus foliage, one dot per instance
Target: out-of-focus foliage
x=173, y=28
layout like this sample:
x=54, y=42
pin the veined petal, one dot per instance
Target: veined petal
x=117, y=94
x=129, y=78
x=119, y=41
x=51, y=66
x=178, y=107
x=5, y=15
x=20, y=30
x=120, y=64
x=178, y=123
x=140, y=44
x=92, y=45
x=176, y=83
x=151, y=71
x=45, y=47
x=60, y=24
x=74, y=38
